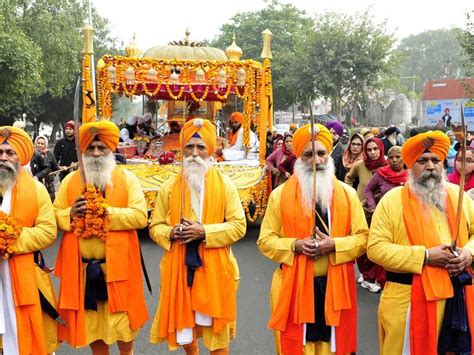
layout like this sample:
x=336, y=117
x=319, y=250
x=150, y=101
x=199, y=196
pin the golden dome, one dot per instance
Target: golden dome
x=233, y=52
x=185, y=50
x=132, y=49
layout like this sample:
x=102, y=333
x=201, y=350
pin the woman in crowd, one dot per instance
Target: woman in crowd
x=43, y=163
x=373, y=158
x=288, y=160
x=352, y=154
x=449, y=162
x=455, y=176
x=280, y=154
x=386, y=178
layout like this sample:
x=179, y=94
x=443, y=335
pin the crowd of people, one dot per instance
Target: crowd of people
x=379, y=200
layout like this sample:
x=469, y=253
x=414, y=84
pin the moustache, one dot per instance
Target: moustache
x=427, y=176
x=9, y=166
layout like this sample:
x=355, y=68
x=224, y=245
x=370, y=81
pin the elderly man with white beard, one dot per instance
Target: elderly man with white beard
x=24, y=329
x=197, y=217
x=101, y=289
x=313, y=295
x=411, y=236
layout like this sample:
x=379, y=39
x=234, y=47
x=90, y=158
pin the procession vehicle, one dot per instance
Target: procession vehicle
x=191, y=80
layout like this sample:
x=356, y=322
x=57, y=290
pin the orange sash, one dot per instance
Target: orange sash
x=434, y=283
x=124, y=273
x=22, y=271
x=233, y=137
x=295, y=304
x=214, y=291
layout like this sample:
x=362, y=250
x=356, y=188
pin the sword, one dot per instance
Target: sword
x=461, y=134
x=313, y=163
x=77, y=123
x=181, y=215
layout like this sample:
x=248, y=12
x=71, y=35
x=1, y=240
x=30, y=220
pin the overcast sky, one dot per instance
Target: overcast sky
x=156, y=22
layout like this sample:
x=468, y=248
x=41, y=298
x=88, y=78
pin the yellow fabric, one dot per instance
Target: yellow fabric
x=109, y=327
x=435, y=141
x=204, y=128
x=107, y=131
x=274, y=246
x=359, y=170
x=217, y=235
x=19, y=140
x=388, y=246
x=302, y=137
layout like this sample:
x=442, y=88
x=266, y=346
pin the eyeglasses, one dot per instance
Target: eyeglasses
x=423, y=161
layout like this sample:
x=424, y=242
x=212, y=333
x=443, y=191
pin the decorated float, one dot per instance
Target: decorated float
x=194, y=81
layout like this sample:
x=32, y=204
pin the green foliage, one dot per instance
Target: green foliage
x=425, y=56
x=466, y=40
x=21, y=69
x=288, y=25
x=348, y=55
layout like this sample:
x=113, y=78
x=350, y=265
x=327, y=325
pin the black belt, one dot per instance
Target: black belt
x=401, y=278
x=96, y=287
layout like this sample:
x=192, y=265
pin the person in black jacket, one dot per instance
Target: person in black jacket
x=65, y=149
x=43, y=163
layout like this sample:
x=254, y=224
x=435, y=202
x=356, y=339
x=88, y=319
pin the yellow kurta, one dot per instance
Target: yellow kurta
x=101, y=324
x=39, y=237
x=217, y=236
x=389, y=247
x=276, y=247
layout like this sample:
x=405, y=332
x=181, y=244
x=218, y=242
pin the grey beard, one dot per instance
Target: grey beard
x=98, y=170
x=8, y=177
x=195, y=168
x=324, y=183
x=430, y=188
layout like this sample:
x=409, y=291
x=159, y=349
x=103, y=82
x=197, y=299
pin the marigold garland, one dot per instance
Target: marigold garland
x=95, y=223
x=10, y=231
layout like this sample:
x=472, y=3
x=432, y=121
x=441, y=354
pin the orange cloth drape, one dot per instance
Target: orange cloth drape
x=22, y=270
x=214, y=288
x=295, y=304
x=124, y=273
x=434, y=283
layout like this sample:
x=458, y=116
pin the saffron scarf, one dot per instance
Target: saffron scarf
x=22, y=270
x=295, y=304
x=434, y=283
x=214, y=290
x=124, y=279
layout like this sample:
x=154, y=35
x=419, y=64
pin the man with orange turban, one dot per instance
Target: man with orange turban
x=313, y=295
x=24, y=329
x=101, y=289
x=197, y=217
x=411, y=234
x=236, y=148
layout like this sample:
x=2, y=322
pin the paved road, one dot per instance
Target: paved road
x=253, y=337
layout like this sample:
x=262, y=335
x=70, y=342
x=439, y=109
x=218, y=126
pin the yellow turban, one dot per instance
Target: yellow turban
x=302, y=137
x=434, y=141
x=202, y=127
x=19, y=140
x=107, y=132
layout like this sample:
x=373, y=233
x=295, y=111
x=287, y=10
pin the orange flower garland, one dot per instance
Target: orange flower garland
x=10, y=231
x=95, y=223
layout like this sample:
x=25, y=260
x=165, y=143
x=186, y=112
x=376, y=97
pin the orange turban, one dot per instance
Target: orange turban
x=302, y=137
x=19, y=140
x=237, y=116
x=107, y=131
x=434, y=141
x=202, y=127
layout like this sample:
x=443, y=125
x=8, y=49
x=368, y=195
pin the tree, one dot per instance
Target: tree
x=288, y=25
x=348, y=56
x=426, y=56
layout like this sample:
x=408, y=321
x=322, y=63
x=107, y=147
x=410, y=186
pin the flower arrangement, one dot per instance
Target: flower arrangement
x=10, y=231
x=95, y=222
x=166, y=158
x=141, y=138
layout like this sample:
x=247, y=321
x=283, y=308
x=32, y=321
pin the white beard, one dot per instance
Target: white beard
x=8, y=177
x=430, y=191
x=195, y=168
x=99, y=170
x=324, y=183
